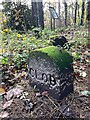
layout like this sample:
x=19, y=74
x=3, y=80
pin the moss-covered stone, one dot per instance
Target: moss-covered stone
x=50, y=69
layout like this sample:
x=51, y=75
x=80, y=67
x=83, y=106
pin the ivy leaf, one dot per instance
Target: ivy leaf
x=4, y=60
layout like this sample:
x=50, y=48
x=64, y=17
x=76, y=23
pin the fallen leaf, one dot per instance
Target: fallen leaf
x=38, y=94
x=9, y=94
x=14, y=92
x=45, y=93
x=17, y=91
x=23, y=73
x=2, y=91
x=22, y=97
x=19, y=86
x=77, y=73
x=7, y=104
x=87, y=53
x=83, y=74
x=4, y=114
x=88, y=61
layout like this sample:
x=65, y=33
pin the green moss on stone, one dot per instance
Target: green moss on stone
x=60, y=57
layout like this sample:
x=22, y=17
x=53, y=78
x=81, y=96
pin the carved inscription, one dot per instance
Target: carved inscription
x=57, y=86
x=45, y=77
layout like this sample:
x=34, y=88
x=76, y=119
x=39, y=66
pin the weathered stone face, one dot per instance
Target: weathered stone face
x=46, y=75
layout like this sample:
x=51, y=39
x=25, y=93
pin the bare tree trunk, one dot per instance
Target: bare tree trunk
x=65, y=5
x=82, y=15
x=41, y=16
x=59, y=13
x=75, y=19
x=88, y=11
x=72, y=11
x=88, y=24
x=37, y=13
x=78, y=14
x=34, y=13
x=69, y=16
x=88, y=21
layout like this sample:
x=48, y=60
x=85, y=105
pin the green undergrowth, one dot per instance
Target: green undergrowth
x=19, y=44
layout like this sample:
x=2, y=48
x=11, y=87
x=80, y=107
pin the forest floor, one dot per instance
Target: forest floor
x=27, y=103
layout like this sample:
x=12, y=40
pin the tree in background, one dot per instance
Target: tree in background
x=37, y=13
x=76, y=7
x=18, y=16
x=65, y=7
x=72, y=11
x=78, y=14
x=82, y=15
x=41, y=16
x=59, y=12
x=88, y=10
x=88, y=19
